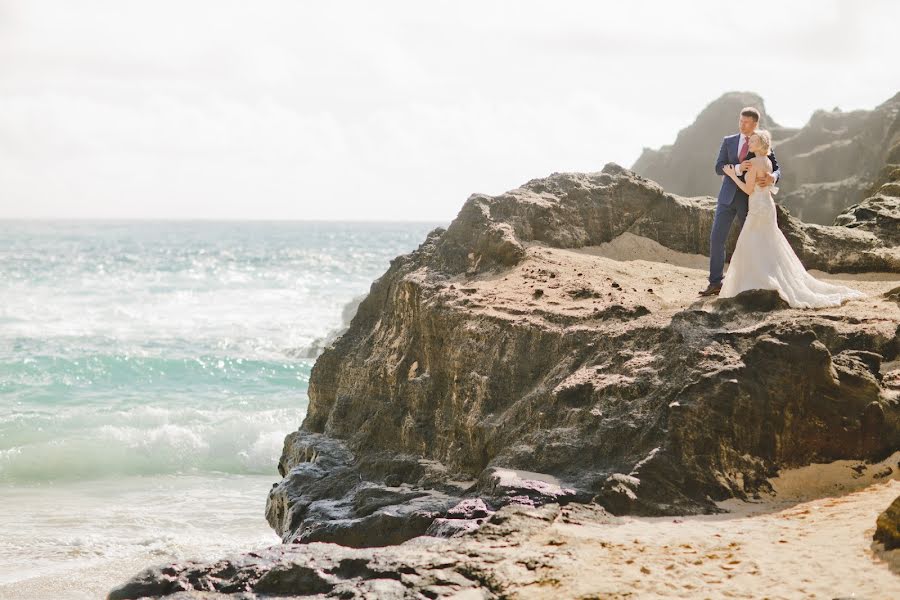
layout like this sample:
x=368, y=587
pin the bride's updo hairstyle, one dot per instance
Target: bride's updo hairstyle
x=765, y=139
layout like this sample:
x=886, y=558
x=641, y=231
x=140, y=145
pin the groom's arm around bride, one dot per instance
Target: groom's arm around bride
x=742, y=166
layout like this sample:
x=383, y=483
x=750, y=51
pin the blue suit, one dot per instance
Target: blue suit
x=732, y=203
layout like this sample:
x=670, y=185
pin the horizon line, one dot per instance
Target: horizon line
x=221, y=220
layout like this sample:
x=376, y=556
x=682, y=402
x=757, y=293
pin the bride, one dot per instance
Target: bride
x=762, y=257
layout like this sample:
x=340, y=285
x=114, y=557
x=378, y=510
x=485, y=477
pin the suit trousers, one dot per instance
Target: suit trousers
x=725, y=216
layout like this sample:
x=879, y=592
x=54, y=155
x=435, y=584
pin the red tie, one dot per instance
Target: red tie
x=744, y=149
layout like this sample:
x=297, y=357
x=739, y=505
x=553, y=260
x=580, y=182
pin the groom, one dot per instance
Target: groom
x=732, y=202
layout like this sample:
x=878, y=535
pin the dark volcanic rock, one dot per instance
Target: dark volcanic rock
x=457, y=398
x=661, y=417
x=827, y=165
x=887, y=527
x=492, y=563
x=327, y=496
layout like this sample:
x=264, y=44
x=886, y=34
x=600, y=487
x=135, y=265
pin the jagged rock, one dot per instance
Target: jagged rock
x=491, y=563
x=510, y=486
x=329, y=496
x=821, y=202
x=572, y=210
x=612, y=395
x=827, y=165
x=887, y=526
x=837, y=145
x=457, y=404
x=880, y=213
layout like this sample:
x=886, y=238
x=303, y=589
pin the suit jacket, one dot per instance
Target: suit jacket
x=728, y=155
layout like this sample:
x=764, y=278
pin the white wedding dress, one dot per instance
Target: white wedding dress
x=763, y=259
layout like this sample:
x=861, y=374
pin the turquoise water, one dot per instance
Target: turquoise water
x=154, y=356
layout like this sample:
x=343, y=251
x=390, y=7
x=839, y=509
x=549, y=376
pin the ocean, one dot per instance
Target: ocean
x=149, y=372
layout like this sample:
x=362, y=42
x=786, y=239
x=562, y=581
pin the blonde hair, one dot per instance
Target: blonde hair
x=765, y=139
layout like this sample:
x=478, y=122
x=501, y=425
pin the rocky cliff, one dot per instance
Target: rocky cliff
x=828, y=164
x=548, y=349
x=878, y=214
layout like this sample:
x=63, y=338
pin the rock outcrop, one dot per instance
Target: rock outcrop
x=553, y=551
x=880, y=212
x=529, y=357
x=491, y=563
x=887, y=526
x=493, y=345
x=828, y=164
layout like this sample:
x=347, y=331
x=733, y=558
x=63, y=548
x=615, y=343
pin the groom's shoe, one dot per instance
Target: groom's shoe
x=712, y=290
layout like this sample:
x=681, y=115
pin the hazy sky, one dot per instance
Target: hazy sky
x=388, y=110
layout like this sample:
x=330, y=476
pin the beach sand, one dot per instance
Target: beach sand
x=792, y=547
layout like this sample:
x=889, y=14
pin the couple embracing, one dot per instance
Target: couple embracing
x=762, y=257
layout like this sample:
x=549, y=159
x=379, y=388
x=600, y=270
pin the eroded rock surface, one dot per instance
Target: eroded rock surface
x=487, y=564
x=575, y=551
x=878, y=214
x=503, y=343
x=548, y=349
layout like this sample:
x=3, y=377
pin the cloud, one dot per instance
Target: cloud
x=383, y=111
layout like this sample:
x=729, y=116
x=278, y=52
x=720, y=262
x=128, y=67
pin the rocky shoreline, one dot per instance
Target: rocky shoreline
x=515, y=370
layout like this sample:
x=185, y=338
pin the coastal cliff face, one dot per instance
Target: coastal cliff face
x=548, y=352
x=501, y=362
x=828, y=164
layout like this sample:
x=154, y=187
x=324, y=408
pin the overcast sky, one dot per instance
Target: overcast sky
x=387, y=110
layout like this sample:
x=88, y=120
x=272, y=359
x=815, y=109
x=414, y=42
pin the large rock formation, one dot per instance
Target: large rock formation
x=880, y=212
x=828, y=164
x=491, y=347
x=548, y=349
